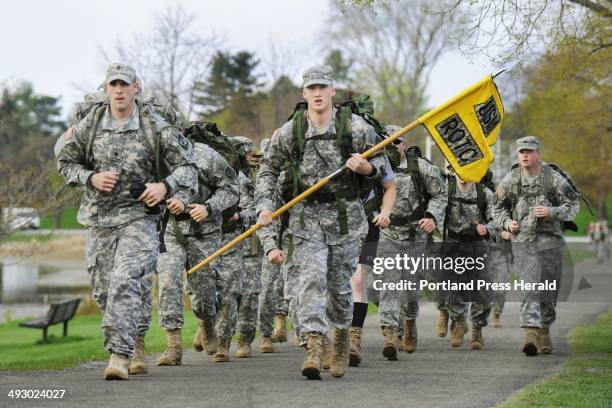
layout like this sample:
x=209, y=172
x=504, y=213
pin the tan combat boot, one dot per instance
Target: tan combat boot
x=544, y=343
x=458, y=330
x=279, y=335
x=340, y=353
x=530, y=347
x=477, y=339
x=442, y=324
x=390, y=344
x=118, y=367
x=496, y=320
x=173, y=355
x=209, y=336
x=138, y=364
x=311, y=367
x=198, y=337
x=244, y=347
x=265, y=344
x=409, y=336
x=296, y=340
x=355, y=346
x=326, y=358
x=222, y=354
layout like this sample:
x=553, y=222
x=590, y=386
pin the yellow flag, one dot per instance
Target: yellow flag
x=465, y=126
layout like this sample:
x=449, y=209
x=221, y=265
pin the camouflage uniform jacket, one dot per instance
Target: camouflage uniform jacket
x=544, y=233
x=125, y=150
x=218, y=187
x=463, y=217
x=406, y=203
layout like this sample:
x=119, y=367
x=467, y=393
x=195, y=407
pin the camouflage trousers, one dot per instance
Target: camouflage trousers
x=534, y=266
x=396, y=303
x=249, y=300
x=326, y=260
x=457, y=301
x=229, y=289
x=271, y=298
x=120, y=263
x=499, y=270
x=201, y=285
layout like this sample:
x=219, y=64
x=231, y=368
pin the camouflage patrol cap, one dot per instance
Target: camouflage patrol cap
x=317, y=75
x=124, y=72
x=528, y=143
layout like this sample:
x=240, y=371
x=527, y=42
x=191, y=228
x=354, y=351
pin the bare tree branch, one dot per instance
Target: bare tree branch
x=173, y=59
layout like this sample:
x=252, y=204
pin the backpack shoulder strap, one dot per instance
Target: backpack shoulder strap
x=300, y=126
x=481, y=200
x=547, y=184
x=344, y=129
x=451, y=187
x=152, y=132
x=93, y=118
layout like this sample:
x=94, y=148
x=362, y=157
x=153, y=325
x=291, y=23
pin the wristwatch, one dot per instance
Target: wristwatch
x=207, y=205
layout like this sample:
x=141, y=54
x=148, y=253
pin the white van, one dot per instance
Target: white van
x=21, y=218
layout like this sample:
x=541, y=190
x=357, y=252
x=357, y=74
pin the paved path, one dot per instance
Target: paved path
x=434, y=376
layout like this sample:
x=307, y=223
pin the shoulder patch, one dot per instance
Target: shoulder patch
x=230, y=173
x=183, y=142
x=571, y=194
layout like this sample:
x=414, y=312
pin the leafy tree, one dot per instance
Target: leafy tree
x=26, y=117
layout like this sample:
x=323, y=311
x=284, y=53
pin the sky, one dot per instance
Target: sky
x=56, y=44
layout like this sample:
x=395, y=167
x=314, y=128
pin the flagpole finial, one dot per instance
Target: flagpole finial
x=501, y=71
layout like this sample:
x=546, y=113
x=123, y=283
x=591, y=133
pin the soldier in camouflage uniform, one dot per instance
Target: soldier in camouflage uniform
x=468, y=226
x=329, y=226
x=499, y=263
x=251, y=284
x=419, y=208
x=111, y=156
x=534, y=200
x=272, y=305
x=189, y=238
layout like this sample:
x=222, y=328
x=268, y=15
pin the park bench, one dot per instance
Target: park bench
x=60, y=312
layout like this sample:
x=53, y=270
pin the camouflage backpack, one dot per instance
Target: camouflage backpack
x=210, y=134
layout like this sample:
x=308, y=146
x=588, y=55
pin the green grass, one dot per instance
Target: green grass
x=21, y=348
x=585, y=379
x=67, y=221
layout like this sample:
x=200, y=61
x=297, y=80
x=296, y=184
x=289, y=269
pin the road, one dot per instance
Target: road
x=434, y=376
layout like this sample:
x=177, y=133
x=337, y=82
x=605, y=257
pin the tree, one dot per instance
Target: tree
x=228, y=96
x=394, y=46
x=340, y=66
x=230, y=75
x=173, y=60
x=507, y=30
x=25, y=118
